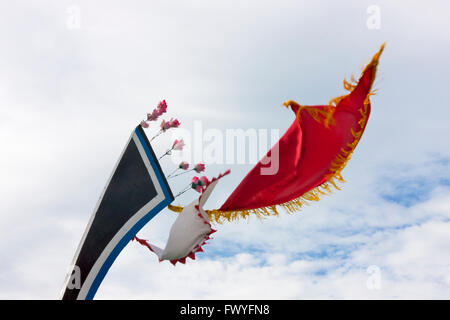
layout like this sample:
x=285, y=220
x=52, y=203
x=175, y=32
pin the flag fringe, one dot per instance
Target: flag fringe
x=333, y=178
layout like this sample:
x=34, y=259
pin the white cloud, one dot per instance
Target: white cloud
x=69, y=99
x=412, y=260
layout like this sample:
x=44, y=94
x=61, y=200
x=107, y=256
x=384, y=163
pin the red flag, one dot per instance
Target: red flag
x=311, y=154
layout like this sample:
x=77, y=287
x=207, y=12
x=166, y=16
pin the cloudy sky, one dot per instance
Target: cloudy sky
x=77, y=76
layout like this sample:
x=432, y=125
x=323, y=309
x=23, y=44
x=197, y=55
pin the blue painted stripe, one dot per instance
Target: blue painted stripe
x=138, y=226
x=153, y=163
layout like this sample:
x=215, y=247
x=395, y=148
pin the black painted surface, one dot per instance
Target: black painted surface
x=129, y=190
x=158, y=166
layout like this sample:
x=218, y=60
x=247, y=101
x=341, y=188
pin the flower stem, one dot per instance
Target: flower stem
x=179, y=174
x=171, y=174
x=160, y=131
x=183, y=191
x=165, y=154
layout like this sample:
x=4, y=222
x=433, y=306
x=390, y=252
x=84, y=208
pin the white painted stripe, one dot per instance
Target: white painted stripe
x=127, y=226
x=80, y=245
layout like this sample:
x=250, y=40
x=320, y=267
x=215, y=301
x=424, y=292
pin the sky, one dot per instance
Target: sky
x=77, y=76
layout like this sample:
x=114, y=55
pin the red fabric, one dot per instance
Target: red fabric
x=306, y=152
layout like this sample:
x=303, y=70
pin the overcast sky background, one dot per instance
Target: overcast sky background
x=69, y=98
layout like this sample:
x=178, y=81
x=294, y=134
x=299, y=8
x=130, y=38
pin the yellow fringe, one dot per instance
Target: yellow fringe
x=331, y=179
x=321, y=116
x=176, y=209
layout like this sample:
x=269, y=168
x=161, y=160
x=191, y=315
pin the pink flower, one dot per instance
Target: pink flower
x=165, y=125
x=144, y=124
x=183, y=165
x=196, y=184
x=174, y=123
x=154, y=115
x=162, y=106
x=178, y=145
x=204, y=180
x=199, y=167
x=158, y=111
